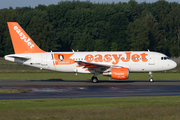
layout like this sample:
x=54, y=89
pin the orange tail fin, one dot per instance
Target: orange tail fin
x=22, y=43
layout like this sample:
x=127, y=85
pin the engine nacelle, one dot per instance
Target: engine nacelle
x=118, y=73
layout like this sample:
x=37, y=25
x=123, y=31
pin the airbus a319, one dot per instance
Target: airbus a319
x=115, y=64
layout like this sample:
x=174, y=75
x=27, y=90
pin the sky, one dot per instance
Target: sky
x=34, y=3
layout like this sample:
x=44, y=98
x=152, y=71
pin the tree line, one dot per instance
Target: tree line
x=87, y=26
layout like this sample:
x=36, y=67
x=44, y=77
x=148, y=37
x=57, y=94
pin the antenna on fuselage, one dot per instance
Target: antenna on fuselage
x=52, y=55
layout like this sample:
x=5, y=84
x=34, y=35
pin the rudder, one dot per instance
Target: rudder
x=22, y=43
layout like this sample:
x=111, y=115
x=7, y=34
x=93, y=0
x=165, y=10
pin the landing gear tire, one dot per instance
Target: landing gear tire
x=94, y=79
x=151, y=80
x=150, y=77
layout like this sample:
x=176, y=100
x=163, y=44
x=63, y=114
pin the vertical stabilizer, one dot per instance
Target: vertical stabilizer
x=22, y=43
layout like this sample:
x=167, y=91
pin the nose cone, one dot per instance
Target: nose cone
x=173, y=64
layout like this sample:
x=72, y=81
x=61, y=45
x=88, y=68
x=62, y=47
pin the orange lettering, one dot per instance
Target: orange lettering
x=116, y=58
x=98, y=58
x=135, y=58
x=127, y=57
x=107, y=58
x=143, y=57
x=89, y=58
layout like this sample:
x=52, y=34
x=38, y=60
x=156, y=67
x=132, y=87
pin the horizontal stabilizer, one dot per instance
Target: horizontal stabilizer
x=7, y=57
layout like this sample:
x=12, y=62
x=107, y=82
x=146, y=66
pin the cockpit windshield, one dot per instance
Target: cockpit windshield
x=164, y=58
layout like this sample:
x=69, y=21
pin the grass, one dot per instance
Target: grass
x=12, y=91
x=131, y=108
x=8, y=91
x=72, y=76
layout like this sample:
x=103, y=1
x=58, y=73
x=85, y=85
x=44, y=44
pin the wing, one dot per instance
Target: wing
x=88, y=66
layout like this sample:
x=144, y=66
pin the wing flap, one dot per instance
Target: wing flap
x=95, y=65
x=83, y=63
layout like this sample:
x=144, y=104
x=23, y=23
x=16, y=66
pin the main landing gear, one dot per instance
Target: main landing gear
x=94, y=79
x=150, y=77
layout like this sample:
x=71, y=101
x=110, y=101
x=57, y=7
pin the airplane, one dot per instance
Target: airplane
x=115, y=64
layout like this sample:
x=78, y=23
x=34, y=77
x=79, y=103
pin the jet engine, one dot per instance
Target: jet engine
x=118, y=73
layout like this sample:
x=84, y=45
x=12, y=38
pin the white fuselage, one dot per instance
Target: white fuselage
x=135, y=61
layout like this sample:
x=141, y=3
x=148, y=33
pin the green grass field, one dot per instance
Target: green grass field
x=118, y=108
x=12, y=91
x=72, y=76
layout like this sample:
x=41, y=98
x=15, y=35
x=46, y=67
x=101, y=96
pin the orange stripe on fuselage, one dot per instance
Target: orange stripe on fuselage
x=63, y=59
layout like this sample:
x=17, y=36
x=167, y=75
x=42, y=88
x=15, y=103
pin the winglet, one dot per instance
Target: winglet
x=22, y=43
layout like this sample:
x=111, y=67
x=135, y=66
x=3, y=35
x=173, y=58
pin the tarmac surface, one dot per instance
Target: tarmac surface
x=80, y=89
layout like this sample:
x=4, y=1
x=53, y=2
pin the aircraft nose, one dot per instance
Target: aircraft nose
x=173, y=64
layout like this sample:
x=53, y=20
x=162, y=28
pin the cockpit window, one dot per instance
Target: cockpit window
x=164, y=58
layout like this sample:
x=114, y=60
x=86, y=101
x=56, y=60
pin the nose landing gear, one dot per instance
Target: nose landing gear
x=150, y=77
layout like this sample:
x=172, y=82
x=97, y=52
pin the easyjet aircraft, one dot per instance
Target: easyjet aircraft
x=116, y=64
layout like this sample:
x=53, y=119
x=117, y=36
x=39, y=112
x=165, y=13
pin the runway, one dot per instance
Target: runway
x=80, y=89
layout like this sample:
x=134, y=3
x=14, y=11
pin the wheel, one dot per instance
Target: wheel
x=151, y=80
x=94, y=79
x=150, y=77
